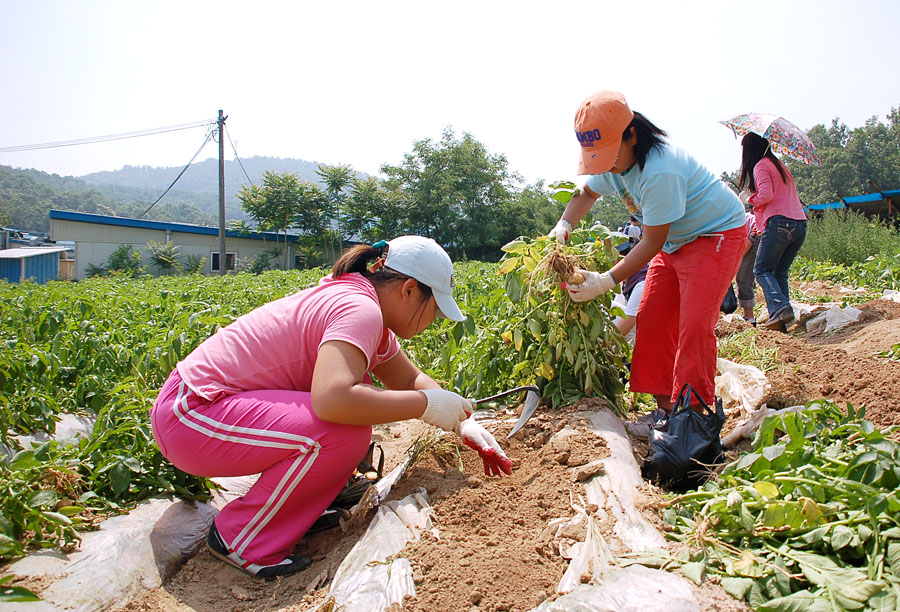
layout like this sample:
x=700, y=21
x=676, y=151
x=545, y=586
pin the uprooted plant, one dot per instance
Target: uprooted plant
x=568, y=349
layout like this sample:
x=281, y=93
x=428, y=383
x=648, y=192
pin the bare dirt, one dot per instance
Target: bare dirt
x=494, y=553
x=841, y=366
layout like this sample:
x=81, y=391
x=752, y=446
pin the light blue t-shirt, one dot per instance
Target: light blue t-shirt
x=674, y=188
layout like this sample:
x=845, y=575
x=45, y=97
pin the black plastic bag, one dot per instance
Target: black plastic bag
x=730, y=303
x=681, y=454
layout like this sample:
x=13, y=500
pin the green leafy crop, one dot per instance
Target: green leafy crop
x=806, y=521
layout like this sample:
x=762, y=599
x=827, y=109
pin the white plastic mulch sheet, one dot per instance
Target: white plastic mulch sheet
x=371, y=579
x=833, y=319
x=611, y=587
x=128, y=552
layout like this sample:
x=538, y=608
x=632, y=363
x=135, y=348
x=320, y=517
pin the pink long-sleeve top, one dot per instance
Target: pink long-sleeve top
x=774, y=196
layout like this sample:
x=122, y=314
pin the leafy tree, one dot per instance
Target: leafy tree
x=193, y=263
x=337, y=179
x=854, y=161
x=239, y=226
x=312, y=219
x=372, y=211
x=528, y=212
x=274, y=204
x=453, y=191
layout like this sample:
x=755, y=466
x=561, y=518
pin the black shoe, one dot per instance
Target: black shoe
x=291, y=564
x=780, y=319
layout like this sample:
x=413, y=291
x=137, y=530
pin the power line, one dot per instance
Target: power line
x=93, y=139
x=183, y=170
x=240, y=163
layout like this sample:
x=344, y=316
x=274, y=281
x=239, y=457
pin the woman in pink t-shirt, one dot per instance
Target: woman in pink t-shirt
x=779, y=218
x=284, y=391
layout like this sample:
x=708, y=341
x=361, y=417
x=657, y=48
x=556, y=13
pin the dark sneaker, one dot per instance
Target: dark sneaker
x=655, y=419
x=780, y=319
x=290, y=565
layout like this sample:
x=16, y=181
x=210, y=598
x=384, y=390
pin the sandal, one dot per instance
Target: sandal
x=364, y=476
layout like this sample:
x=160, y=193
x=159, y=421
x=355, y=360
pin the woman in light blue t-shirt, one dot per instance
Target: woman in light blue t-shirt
x=693, y=238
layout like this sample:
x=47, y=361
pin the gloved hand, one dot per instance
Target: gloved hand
x=445, y=409
x=745, y=196
x=561, y=231
x=482, y=442
x=594, y=284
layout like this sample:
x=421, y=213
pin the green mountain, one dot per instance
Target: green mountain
x=199, y=185
x=26, y=196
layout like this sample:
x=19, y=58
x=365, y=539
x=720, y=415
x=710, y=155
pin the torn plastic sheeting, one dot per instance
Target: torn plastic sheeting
x=370, y=579
x=632, y=589
x=740, y=385
x=593, y=558
x=612, y=588
x=615, y=489
x=746, y=427
x=143, y=547
x=832, y=319
x=67, y=430
x=891, y=294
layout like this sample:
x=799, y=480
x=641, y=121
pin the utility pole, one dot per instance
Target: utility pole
x=222, y=256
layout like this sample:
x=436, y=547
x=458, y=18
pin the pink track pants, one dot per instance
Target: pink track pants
x=303, y=461
x=675, y=337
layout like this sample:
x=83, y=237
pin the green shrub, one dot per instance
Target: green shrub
x=845, y=237
x=126, y=261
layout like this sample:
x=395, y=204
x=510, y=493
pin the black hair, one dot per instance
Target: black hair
x=754, y=148
x=358, y=258
x=648, y=137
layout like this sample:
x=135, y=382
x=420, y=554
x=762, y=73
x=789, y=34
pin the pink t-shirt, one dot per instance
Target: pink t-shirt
x=276, y=345
x=751, y=225
x=774, y=196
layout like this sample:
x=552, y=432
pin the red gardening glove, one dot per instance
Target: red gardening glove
x=482, y=442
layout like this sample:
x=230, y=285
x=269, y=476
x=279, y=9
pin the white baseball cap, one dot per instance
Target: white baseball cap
x=424, y=260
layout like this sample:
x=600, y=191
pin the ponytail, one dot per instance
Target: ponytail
x=358, y=258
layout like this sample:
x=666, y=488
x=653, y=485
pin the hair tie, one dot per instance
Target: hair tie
x=379, y=245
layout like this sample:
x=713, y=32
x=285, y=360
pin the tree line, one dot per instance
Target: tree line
x=26, y=197
x=452, y=190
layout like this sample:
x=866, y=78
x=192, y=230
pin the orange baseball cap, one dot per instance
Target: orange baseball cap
x=599, y=123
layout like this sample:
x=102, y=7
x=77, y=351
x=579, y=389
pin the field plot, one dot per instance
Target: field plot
x=493, y=552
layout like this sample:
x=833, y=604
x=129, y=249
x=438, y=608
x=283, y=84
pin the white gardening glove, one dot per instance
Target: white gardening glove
x=745, y=196
x=482, y=442
x=445, y=409
x=594, y=284
x=561, y=231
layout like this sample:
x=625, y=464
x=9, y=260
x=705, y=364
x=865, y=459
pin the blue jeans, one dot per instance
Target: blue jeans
x=778, y=247
x=745, y=279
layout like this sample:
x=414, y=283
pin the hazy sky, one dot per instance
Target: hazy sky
x=359, y=82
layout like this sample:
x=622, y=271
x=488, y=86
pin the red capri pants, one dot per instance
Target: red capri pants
x=675, y=338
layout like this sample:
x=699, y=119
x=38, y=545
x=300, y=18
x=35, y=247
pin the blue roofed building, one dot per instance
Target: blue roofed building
x=96, y=237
